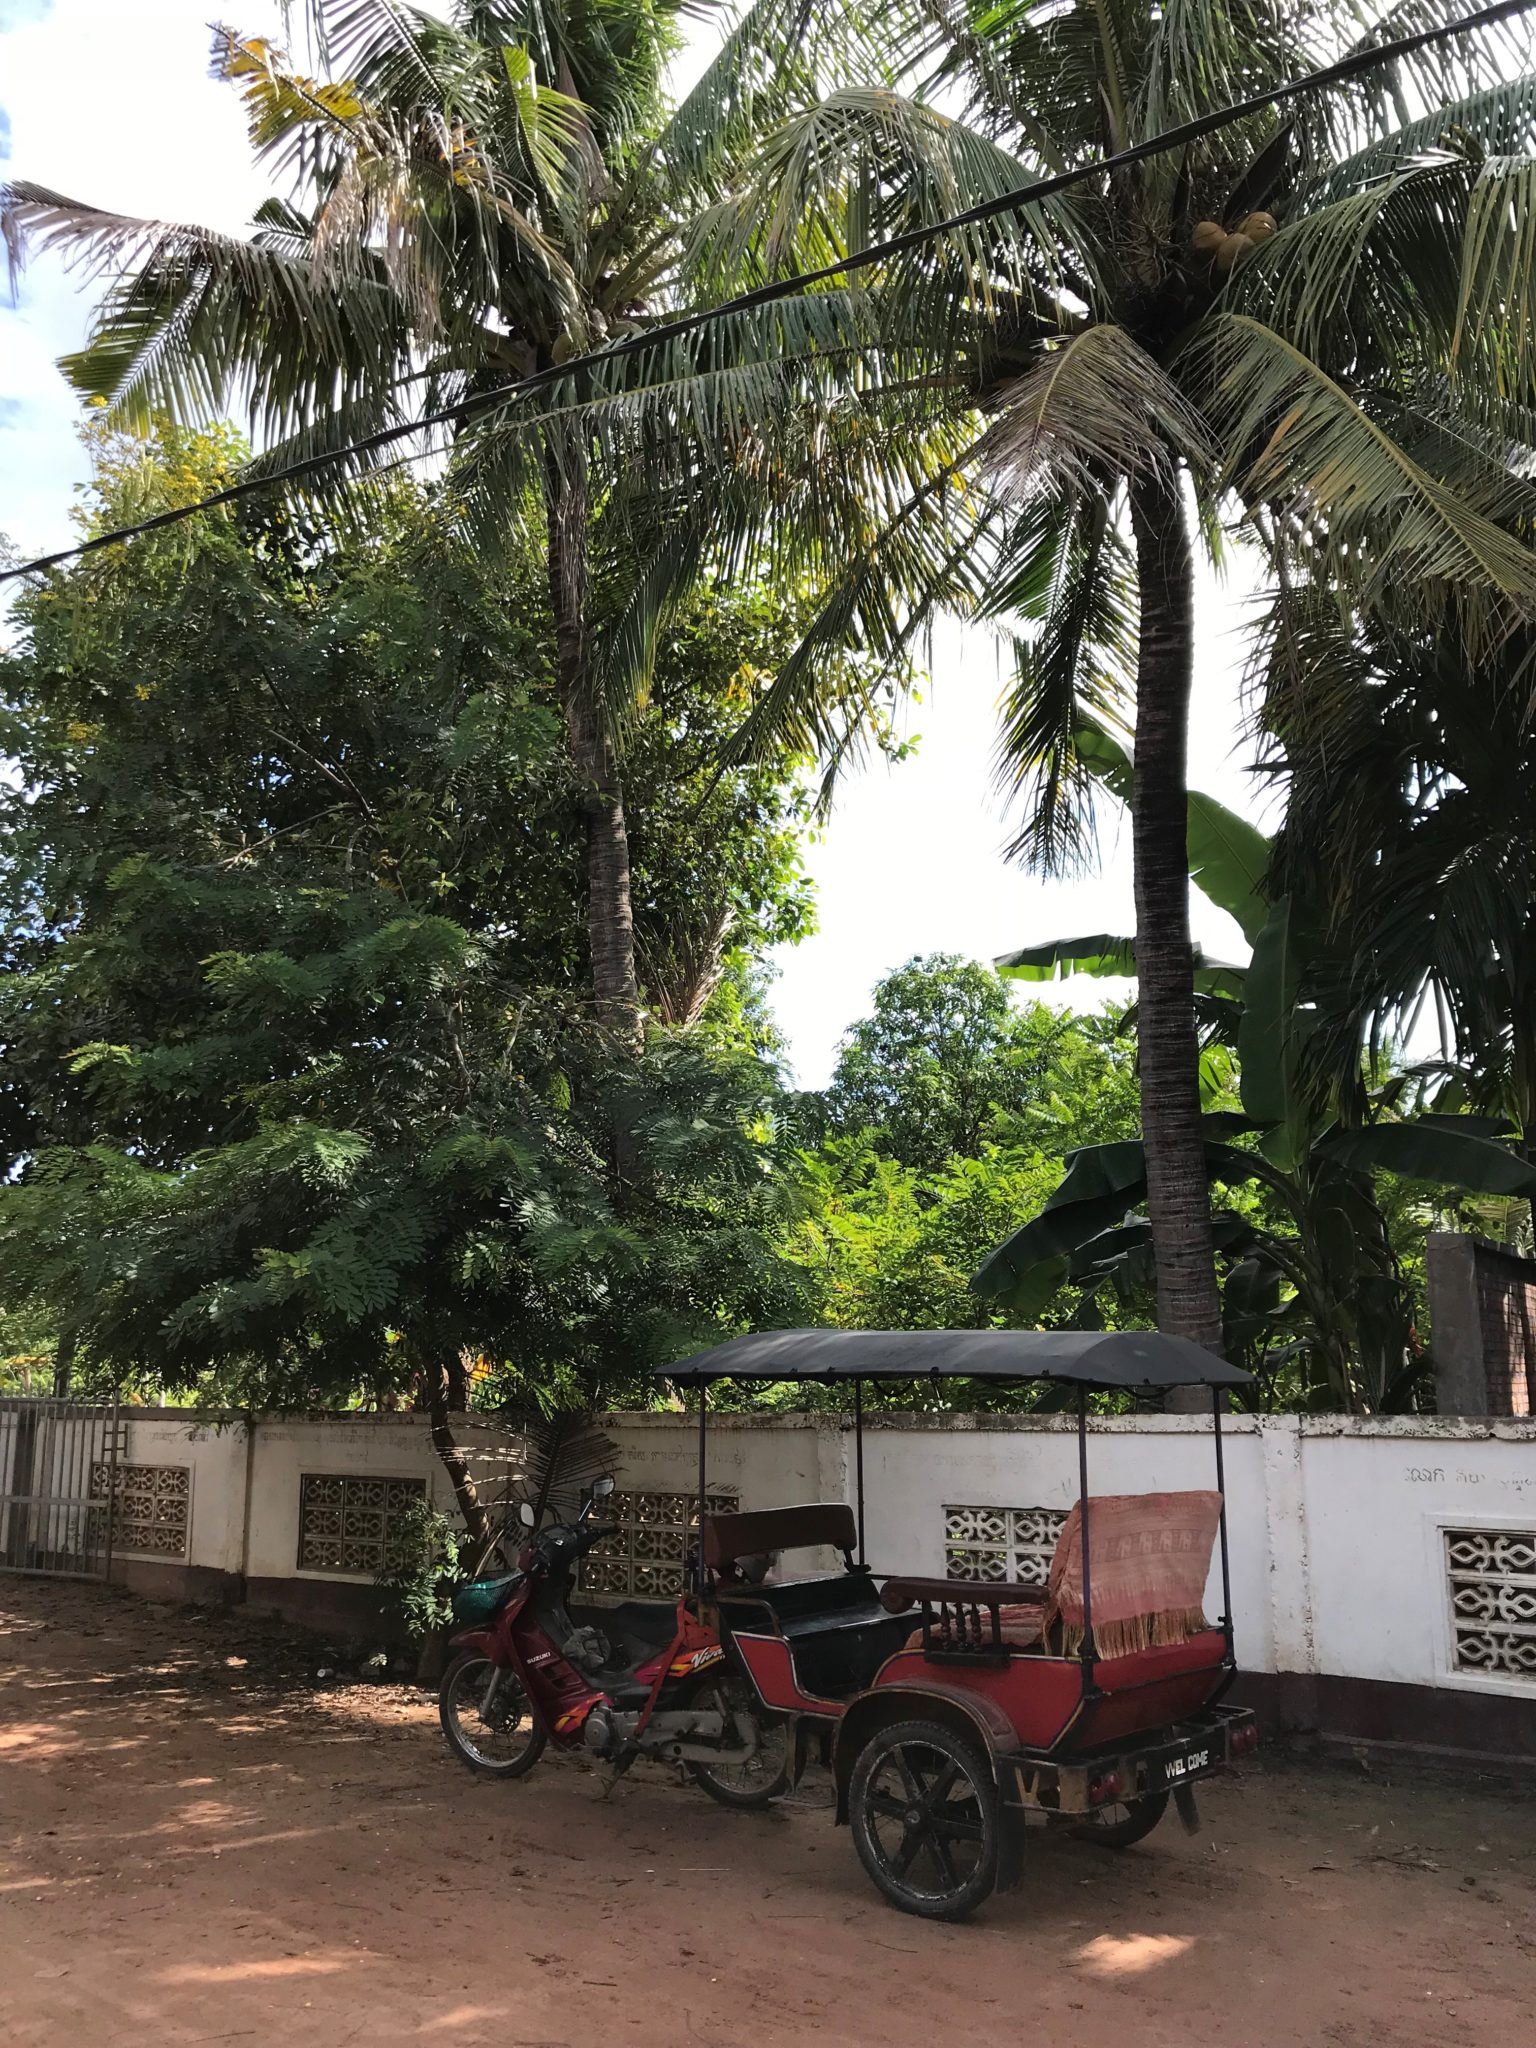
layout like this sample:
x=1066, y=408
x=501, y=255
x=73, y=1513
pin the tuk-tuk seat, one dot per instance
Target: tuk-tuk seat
x=815, y=1525
x=1150, y=1556
x=840, y=1629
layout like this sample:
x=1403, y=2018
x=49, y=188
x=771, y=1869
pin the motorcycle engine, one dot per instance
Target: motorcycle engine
x=599, y=1731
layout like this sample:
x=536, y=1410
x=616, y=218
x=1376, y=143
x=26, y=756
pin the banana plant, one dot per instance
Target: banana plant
x=1311, y=1284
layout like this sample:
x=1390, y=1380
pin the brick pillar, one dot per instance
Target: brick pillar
x=1482, y=1315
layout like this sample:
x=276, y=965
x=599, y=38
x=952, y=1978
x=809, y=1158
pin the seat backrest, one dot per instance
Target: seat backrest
x=728, y=1537
x=1150, y=1556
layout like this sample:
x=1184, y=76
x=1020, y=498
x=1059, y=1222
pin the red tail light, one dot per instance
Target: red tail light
x=1103, y=1789
x=1245, y=1740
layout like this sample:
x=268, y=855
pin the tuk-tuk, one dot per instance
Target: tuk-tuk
x=954, y=1711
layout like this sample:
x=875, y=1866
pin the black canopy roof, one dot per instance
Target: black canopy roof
x=1089, y=1358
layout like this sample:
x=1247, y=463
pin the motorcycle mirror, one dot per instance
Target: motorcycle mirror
x=601, y=1488
x=526, y=1515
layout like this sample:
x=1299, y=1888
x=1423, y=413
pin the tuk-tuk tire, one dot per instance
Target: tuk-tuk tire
x=983, y=1880
x=1142, y=1816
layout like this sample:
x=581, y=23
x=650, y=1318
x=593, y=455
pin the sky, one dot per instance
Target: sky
x=912, y=858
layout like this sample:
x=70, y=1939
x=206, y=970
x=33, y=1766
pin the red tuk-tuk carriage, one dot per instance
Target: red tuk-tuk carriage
x=951, y=1711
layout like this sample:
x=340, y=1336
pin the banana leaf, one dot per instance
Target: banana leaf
x=1103, y=955
x=1101, y=1183
x=1421, y=1151
x=1228, y=857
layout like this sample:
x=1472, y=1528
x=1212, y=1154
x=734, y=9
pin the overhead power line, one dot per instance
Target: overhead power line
x=783, y=288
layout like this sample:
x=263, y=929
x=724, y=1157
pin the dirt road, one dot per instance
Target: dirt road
x=200, y=1844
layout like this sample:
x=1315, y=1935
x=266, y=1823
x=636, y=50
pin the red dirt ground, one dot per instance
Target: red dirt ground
x=199, y=1843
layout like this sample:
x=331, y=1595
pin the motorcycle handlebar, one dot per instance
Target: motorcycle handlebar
x=575, y=1541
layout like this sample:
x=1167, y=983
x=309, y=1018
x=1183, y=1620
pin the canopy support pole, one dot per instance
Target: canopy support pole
x=1221, y=1488
x=858, y=1458
x=699, y=1575
x=1082, y=1494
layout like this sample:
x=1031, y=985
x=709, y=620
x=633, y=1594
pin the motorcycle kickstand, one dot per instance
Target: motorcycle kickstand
x=610, y=1774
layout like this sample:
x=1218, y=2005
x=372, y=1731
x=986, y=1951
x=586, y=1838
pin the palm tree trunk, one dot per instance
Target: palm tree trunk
x=1178, y=1192
x=435, y=1389
x=610, y=920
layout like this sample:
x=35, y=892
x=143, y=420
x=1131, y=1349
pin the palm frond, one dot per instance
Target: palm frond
x=196, y=318
x=1038, y=70
x=1093, y=406
x=380, y=41
x=769, y=61
x=1207, y=53
x=1081, y=662
x=1431, y=76
x=1368, y=280
x=865, y=511
x=643, y=585
x=864, y=164
x=1500, y=120
x=1495, y=342
x=1298, y=443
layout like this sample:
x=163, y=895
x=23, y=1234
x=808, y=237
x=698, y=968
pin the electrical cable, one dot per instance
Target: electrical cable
x=1363, y=59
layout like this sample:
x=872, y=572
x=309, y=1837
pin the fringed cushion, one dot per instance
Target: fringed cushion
x=1150, y=1558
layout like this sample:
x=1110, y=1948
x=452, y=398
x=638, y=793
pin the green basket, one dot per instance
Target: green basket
x=481, y=1599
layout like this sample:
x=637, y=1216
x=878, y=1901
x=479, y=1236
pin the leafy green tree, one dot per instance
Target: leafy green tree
x=891, y=1241
x=298, y=1100
x=472, y=199
x=28, y=1350
x=945, y=1054
x=1317, y=1297
x=718, y=878
x=1309, y=328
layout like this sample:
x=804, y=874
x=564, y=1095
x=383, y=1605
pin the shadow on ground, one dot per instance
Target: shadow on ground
x=201, y=1842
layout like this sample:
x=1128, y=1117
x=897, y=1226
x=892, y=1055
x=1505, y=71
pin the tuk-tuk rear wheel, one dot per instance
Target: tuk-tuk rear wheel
x=926, y=1819
x=1118, y=1826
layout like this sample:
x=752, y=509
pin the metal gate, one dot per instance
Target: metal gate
x=58, y=1487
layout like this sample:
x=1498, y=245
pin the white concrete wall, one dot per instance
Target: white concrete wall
x=367, y=1447
x=1377, y=1499
x=1336, y=1525
x=215, y=1455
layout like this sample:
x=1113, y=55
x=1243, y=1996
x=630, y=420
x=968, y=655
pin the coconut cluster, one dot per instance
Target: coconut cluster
x=1226, y=247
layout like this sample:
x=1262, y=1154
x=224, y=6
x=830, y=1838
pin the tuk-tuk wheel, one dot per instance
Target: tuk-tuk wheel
x=926, y=1819
x=1118, y=1826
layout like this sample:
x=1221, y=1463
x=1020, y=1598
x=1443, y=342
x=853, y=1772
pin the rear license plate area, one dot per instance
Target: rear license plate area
x=1177, y=1766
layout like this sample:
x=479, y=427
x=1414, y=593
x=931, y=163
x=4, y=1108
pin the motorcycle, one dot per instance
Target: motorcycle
x=526, y=1675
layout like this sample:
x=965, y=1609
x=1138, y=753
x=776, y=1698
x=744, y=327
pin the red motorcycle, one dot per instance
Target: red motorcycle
x=526, y=1675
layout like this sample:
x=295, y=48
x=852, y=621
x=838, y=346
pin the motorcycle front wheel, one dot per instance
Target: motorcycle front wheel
x=487, y=1717
x=765, y=1776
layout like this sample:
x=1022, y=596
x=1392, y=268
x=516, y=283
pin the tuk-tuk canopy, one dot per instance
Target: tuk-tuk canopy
x=1086, y=1358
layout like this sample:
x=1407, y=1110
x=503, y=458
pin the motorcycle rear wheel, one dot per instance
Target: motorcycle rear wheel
x=763, y=1778
x=503, y=1742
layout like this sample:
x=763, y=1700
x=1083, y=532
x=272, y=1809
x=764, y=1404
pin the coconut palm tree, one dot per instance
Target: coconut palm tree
x=469, y=200
x=1313, y=331
x=1408, y=825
